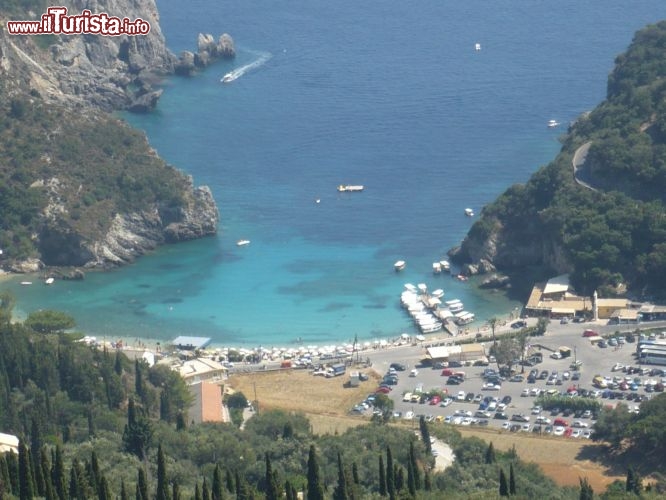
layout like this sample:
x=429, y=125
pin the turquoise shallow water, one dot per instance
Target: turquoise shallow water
x=389, y=95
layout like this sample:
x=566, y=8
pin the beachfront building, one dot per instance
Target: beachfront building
x=197, y=370
x=556, y=299
x=207, y=405
x=8, y=442
x=463, y=353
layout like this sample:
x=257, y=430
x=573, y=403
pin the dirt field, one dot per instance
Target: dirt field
x=326, y=403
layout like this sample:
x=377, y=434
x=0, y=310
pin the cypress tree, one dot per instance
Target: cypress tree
x=205, y=492
x=490, y=454
x=26, y=486
x=390, y=474
x=415, y=466
x=5, y=482
x=175, y=491
x=425, y=434
x=35, y=457
x=512, y=481
x=118, y=364
x=142, y=485
x=399, y=478
x=586, y=491
x=180, y=421
x=104, y=490
x=58, y=475
x=217, y=483
x=287, y=489
x=162, y=492
x=382, y=477
x=315, y=489
x=503, y=487
x=49, y=491
x=229, y=481
x=138, y=379
x=73, y=483
x=355, y=473
x=165, y=406
x=427, y=483
x=340, y=491
x=13, y=469
x=95, y=479
x=238, y=485
x=123, y=491
x=197, y=493
x=272, y=486
x=411, y=486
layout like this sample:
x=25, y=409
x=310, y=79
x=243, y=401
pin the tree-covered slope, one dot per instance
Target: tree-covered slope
x=612, y=231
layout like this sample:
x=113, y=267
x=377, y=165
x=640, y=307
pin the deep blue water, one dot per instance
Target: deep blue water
x=391, y=95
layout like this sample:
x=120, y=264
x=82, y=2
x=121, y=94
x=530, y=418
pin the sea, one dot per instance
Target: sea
x=390, y=95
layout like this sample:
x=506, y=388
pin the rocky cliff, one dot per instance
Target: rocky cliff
x=87, y=190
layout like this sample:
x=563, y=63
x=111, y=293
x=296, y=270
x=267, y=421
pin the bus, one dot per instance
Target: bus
x=652, y=356
x=649, y=344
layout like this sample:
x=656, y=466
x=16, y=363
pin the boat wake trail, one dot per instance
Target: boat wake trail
x=263, y=58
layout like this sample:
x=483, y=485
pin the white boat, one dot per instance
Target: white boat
x=410, y=287
x=348, y=188
x=229, y=77
x=439, y=293
x=477, y=46
x=242, y=243
x=25, y=283
x=49, y=281
x=422, y=287
x=445, y=265
x=469, y=212
x=436, y=267
x=553, y=123
x=399, y=265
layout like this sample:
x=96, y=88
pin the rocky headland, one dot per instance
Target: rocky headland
x=99, y=195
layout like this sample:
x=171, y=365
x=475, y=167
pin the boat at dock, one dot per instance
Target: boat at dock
x=469, y=212
x=348, y=188
x=445, y=265
x=436, y=267
x=399, y=265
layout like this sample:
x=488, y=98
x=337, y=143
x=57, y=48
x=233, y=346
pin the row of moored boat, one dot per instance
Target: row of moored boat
x=428, y=310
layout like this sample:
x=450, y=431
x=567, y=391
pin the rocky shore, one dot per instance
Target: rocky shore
x=92, y=76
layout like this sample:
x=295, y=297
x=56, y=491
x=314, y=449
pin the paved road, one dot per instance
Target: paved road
x=578, y=161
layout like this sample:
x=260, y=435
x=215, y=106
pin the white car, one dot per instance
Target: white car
x=525, y=427
x=506, y=425
x=617, y=367
x=409, y=415
x=525, y=392
x=576, y=433
x=579, y=424
x=446, y=402
x=413, y=373
x=536, y=410
x=556, y=355
x=558, y=430
x=461, y=396
x=543, y=420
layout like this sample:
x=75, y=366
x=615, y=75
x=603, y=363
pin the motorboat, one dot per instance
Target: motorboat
x=553, y=123
x=399, y=265
x=348, y=188
x=26, y=283
x=445, y=265
x=423, y=288
x=229, y=77
x=242, y=243
x=49, y=281
x=410, y=287
x=436, y=267
x=469, y=212
x=477, y=46
x=439, y=293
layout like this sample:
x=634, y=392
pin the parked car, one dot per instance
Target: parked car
x=519, y=417
x=398, y=367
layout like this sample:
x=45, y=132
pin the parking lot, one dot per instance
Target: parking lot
x=519, y=395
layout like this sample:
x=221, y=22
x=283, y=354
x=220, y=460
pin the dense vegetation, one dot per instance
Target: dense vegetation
x=90, y=166
x=617, y=234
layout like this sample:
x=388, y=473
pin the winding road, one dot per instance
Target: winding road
x=578, y=161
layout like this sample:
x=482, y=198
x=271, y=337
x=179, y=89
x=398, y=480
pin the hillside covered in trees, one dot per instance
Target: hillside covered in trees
x=613, y=231
x=94, y=424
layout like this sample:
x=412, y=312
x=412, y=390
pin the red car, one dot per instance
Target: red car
x=435, y=400
x=590, y=333
x=383, y=390
x=560, y=422
x=447, y=372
